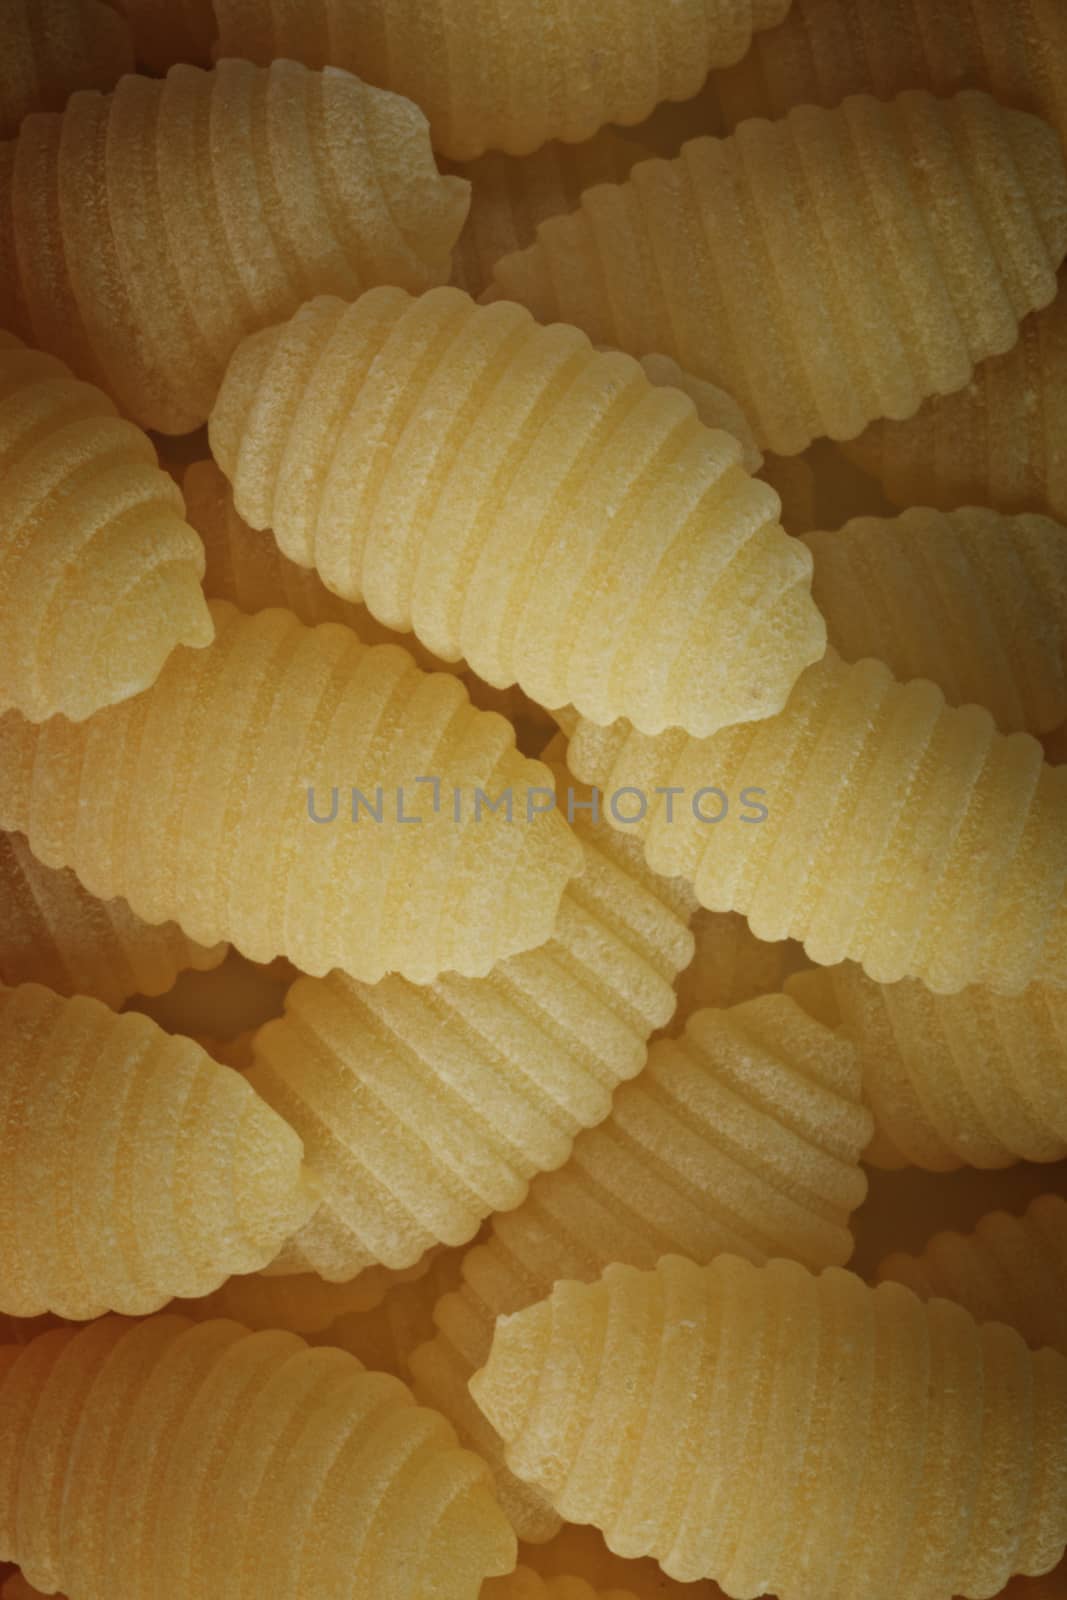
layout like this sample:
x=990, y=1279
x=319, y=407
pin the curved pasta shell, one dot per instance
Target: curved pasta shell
x=714, y=407
x=745, y=1135
x=168, y=31
x=428, y=1108
x=227, y=197
x=198, y=796
x=525, y=1584
x=1010, y=1269
x=818, y=268
x=974, y=601
x=730, y=965
x=161, y=1457
x=900, y=833
x=506, y=76
x=99, y=571
x=1001, y=441
x=134, y=1166
x=778, y=1431
x=52, y=931
x=51, y=48
x=521, y=501
x=971, y=1079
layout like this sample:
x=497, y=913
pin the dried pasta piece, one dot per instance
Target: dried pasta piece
x=300, y=1302
x=505, y=76
x=51, y=48
x=730, y=965
x=793, y=481
x=383, y=1338
x=99, y=571
x=134, y=1167
x=148, y=231
x=52, y=931
x=782, y=1432
x=971, y=1079
x=163, y=1457
x=510, y=195
x=522, y=501
x=714, y=407
x=426, y=1108
x=169, y=31
x=745, y=1135
x=195, y=802
x=971, y=599
x=525, y=1584
x=1010, y=1269
x=1001, y=441
x=827, y=269
x=901, y=833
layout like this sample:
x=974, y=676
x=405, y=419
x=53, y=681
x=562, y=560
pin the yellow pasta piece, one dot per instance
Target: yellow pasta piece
x=823, y=51
x=510, y=195
x=525, y=1584
x=900, y=833
x=426, y=1108
x=1001, y=441
x=745, y=1135
x=521, y=501
x=793, y=481
x=973, y=600
x=51, y=48
x=300, y=1302
x=52, y=931
x=134, y=1167
x=169, y=1458
x=195, y=802
x=311, y=183
x=99, y=571
x=383, y=1338
x=1010, y=1269
x=730, y=965
x=168, y=31
x=818, y=268
x=971, y=1079
x=714, y=407
x=506, y=76
x=807, y=1436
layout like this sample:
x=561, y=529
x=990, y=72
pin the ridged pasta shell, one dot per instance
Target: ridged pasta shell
x=779, y=1431
x=384, y=1337
x=134, y=1167
x=99, y=571
x=818, y=268
x=197, y=800
x=507, y=76
x=901, y=833
x=521, y=501
x=972, y=600
x=148, y=231
x=51, y=48
x=161, y=1457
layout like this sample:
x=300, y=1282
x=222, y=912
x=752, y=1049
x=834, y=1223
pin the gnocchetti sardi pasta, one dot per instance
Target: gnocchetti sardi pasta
x=51, y=48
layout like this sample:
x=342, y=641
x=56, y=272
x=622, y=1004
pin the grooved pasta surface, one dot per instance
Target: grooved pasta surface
x=192, y=802
x=971, y=1079
x=974, y=601
x=828, y=269
x=509, y=74
x=133, y=1166
x=900, y=833
x=806, y=1436
x=149, y=230
x=743, y=1135
x=523, y=502
x=428, y=1108
x=99, y=571
x=159, y=1457
x=51, y=48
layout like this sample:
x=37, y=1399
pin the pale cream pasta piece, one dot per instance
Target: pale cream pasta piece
x=1010, y=1269
x=427, y=1108
x=51, y=48
x=778, y=1431
x=169, y=31
x=239, y=796
x=714, y=407
x=834, y=267
x=507, y=76
x=99, y=571
x=730, y=965
x=793, y=481
x=144, y=233
x=525, y=1584
x=52, y=931
x=302, y=1302
x=1001, y=441
x=971, y=599
x=899, y=832
x=134, y=1167
x=970, y=1079
x=523, y=502
x=163, y=1457
x=744, y=1135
